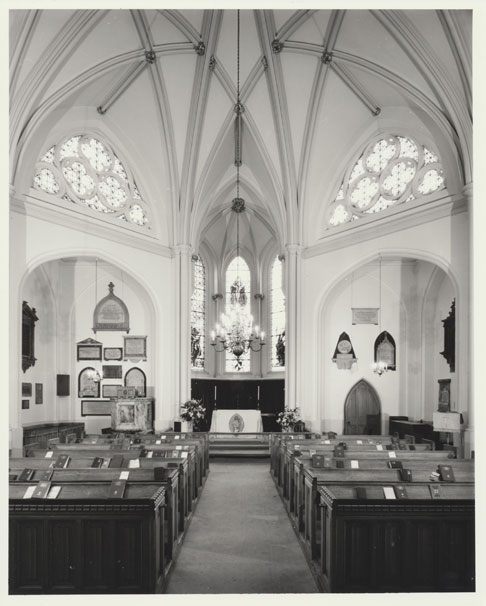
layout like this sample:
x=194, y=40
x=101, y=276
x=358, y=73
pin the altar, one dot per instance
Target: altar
x=236, y=421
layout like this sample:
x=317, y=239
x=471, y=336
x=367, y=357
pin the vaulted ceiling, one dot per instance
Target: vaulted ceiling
x=160, y=85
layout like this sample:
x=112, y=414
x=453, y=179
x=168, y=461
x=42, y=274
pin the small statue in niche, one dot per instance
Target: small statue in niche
x=280, y=348
x=195, y=344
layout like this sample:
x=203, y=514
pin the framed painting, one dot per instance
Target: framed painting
x=39, y=393
x=95, y=408
x=135, y=377
x=26, y=390
x=135, y=348
x=25, y=404
x=444, y=395
x=110, y=391
x=89, y=349
x=89, y=383
x=112, y=371
x=113, y=354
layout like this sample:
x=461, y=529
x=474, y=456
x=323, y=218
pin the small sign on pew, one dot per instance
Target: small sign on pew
x=379, y=447
x=354, y=464
x=178, y=447
x=134, y=463
x=359, y=441
x=54, y=492
x=389, y=492
x=392, y=454
x=49, y=454
x=163, y=437
x=29, y=492
x=124, y=475
x=184, y=454
x=150, y=454
x=158, y=441
x=176, y=437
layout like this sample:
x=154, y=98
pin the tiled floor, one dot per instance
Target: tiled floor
x=240, y=539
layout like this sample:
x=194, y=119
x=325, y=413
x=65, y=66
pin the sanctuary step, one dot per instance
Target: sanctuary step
x=238, y=446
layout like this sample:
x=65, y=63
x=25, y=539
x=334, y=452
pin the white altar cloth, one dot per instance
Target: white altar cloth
x=236, y=421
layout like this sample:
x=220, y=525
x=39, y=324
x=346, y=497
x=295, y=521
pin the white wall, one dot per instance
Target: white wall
x=326, y=298
x=149, y=282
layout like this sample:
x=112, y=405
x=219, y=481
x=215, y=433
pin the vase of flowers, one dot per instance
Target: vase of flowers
x=193, y=412
x=288, y=418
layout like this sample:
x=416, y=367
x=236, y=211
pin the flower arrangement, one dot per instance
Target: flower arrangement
x=193, y=410
x=288, y=417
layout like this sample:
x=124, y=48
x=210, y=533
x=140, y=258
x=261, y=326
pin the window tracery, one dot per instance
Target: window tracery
x=198, y=314
x=391, y=170
x=82, y=169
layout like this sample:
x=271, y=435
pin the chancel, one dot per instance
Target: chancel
x=241, y=310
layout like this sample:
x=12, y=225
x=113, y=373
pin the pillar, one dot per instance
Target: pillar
x=183, y=254
x=292, y=269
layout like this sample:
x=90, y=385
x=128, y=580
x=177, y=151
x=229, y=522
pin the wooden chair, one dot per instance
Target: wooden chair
x=71, y=438
x=409, y=439
x=429, y=443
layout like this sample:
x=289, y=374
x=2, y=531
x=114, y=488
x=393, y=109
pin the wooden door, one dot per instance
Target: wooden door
x=362, y=410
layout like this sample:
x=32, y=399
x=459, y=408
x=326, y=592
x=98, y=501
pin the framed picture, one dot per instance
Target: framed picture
x=126, y=393
x=112, y=372
x=444, y=395
x=135, y=348
x=135, y=377
x=26, y=390
x=364, y=315
x=25, y=404
x=89, y=383
x=110, y=391
x=39, y=399
x=113, y=353
x=95, y=408
x=124, y=416
x=89, y=349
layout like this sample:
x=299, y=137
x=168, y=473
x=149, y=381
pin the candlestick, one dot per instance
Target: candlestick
x=258, y=393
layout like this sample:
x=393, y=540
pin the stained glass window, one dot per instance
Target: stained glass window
x=238, y=282
x=83, y=170
x=277, y=316
x=198, y=314
x=391, y=170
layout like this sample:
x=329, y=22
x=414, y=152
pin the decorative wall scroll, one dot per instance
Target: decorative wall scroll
x=124, y=393
x=89, y=349
x=26, y=390
x=449, y=324
x=444, y=395
x=112, y=371
x=29, y=318
x=110, y=391
x=95, y=408
x=365, y=315
x=385, y=350
x=136, y=378
x=135, y=348
x=344, y=356
x=39, y=398
x=113, y=353
x=111, y=313
x=89, y=383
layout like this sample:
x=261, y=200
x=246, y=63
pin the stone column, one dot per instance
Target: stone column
x=292, y=270
x=465, y=335
x=183, y=254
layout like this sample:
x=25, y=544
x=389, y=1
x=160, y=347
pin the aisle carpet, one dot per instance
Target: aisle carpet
x=240, y=539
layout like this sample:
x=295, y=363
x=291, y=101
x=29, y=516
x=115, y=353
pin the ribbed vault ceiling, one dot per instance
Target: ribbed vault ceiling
x=161, y=84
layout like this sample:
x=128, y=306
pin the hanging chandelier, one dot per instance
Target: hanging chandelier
x=235, y=332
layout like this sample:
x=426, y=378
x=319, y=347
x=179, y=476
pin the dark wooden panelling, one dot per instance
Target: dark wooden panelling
x=243, y=395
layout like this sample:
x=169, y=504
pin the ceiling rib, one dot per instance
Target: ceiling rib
x=315, y=101
x=183, y=25
x=121, y=86
x=354, y=86
x=292, y=24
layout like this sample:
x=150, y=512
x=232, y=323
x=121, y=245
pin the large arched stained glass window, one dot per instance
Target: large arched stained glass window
x=81, y=169
x=391, y=170
x=238, y=283
x=198, y=314
x=277, y=316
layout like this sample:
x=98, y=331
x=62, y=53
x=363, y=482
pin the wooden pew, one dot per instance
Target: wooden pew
x=418, y=544
x=83, y=541
x=316, y=478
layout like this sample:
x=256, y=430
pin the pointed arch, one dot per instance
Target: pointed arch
x=362, y=410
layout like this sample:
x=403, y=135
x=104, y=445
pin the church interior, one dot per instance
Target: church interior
x=241, y=271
